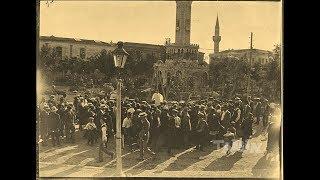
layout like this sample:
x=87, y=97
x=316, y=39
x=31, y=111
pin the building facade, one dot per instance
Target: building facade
x=84, y=49
x=72, y=47
x=257, y=55
x=158, y=51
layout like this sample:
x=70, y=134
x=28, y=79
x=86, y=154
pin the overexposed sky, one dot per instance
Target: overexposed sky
x=152, y=22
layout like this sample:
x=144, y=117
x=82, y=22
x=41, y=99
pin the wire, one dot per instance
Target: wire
x=206, y=49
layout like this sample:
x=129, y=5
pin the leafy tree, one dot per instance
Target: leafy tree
x=48, y=57
x=228, y=74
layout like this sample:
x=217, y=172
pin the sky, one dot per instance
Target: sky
x=152, y=22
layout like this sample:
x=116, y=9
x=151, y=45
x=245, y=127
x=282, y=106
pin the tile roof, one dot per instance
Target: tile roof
x=75, y=40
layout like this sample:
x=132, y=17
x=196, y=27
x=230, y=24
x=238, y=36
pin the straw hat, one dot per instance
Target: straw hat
x=54, y=109
x=143, y=114
x=131, y=110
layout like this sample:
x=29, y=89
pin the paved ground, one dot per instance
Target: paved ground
x=78, y=160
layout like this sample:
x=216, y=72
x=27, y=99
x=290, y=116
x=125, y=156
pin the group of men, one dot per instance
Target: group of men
x=155, y=124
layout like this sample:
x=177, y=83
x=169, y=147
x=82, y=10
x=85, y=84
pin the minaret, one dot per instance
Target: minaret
x=216, y=38
x=183, y=22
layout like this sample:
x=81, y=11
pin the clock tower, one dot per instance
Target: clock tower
x=183, y=22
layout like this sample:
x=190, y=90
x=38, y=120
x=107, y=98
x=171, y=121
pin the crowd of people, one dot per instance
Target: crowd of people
x=179, y=124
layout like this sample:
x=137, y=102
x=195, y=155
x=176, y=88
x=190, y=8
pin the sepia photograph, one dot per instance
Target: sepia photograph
x=174, y=89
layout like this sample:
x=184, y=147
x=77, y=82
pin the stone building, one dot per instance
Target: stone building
x=72, y=47
x=257, y=55
x=158, y=51
x=84, y=49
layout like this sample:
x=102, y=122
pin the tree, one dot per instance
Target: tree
x=229, y=71
x=273, y=74
x=47, y=57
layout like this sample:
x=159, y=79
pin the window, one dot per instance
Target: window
x=71, y=48
x=59, y=52
x=82, y=53
x=177, y=25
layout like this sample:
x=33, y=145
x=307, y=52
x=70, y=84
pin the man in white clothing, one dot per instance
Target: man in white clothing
x=103, y=144
x=157, y=98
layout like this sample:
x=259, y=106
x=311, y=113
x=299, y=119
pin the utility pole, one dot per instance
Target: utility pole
x=250, y=64
x=251, y=47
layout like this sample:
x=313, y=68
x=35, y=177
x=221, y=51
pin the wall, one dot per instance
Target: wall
x=91, y=49
x=258, y=56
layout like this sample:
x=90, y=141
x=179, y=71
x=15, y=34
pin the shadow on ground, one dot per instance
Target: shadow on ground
x=266, y=168
x=189, y=158
x=224, y=163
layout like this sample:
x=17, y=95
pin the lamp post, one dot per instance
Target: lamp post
x=119, y=57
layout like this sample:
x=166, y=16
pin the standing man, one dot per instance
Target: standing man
x=51, y=101
x=103, y=148
x=43, y=123
x=127, y=129
x=237, y=115
x=156, y=130
x=53, y=126
x=201, y=130
x=185, y=125
x=225, y=117
x=69, y=124
x=177, y=128
x=144, y=135
x=157, y=98
x=246, y=128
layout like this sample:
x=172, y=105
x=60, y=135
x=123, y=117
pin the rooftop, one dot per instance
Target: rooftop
x=140, y=44
x=64, y=39
x=245, y=50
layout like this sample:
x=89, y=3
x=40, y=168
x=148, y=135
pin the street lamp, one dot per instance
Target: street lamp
x=119, y=57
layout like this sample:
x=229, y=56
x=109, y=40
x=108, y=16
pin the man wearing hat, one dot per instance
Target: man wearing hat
x=53, y=126
x=237, y=117
x=69, y=124
x=51, y=101
x=246, y=130
x=43, y=123
x=103, y=148
x=177, y=128
x=106, y=118
x=155, y=126
x=127, y=129
x=202, y=130
x=185, y=125
x=90, y=131
x=229, y=137
x=225, y=116
x=136, y=125
x=171, y=130
x=144, y=135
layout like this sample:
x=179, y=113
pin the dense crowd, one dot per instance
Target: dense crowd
x=180, y=124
